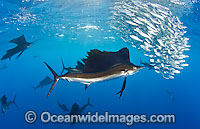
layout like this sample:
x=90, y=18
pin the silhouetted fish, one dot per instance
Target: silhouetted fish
x=72, y=70
x=22, y=45
x=63, y=107
x=75, y=110
x=5, y=105
x=46, y=81
x=171, y=94
x=99, y=66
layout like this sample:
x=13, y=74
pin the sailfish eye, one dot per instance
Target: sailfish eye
x=124, y=70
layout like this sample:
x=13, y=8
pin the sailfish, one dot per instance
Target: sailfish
x=99, y=66
x=22, y=45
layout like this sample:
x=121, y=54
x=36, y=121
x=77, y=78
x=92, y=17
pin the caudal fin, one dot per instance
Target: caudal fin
x=14, y=101
x=56, y=78
x=89, y=102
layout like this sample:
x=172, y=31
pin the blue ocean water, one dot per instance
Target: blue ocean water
x=68, y=30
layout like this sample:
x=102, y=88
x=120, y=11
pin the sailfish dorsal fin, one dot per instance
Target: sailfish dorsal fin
x=20, y=40
x=98, y=61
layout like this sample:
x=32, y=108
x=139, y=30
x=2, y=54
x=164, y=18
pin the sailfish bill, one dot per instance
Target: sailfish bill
x=99, y=66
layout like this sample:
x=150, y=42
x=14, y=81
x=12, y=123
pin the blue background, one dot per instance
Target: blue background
x=145, y=91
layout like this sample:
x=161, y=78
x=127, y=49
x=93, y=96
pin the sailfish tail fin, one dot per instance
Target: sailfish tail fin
x=56, y=78
x=89, y=102
x=63, y=66
x=14, y=101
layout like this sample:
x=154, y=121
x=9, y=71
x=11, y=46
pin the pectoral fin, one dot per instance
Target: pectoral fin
x=86, y=86
x=123, y=87
x=20, y=54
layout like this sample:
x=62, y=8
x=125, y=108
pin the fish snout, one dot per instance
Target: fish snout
x=138, y=67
